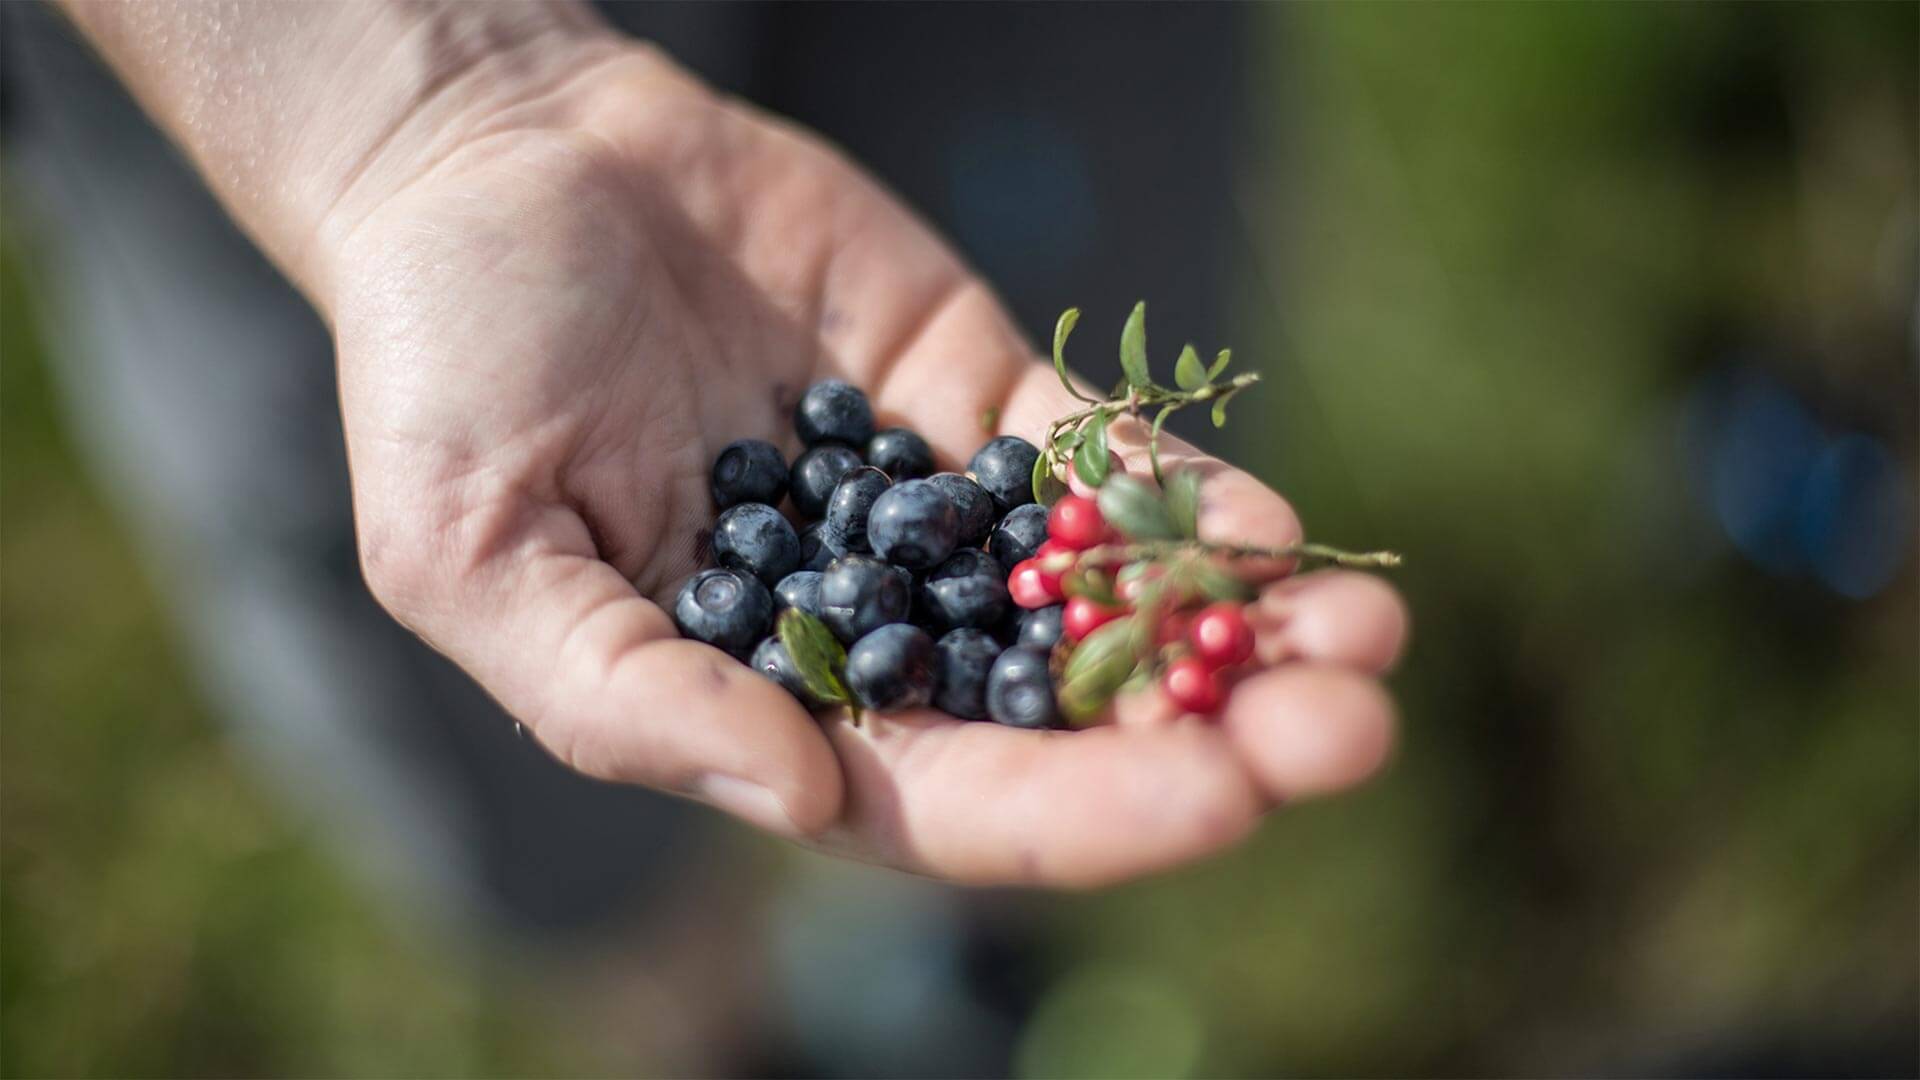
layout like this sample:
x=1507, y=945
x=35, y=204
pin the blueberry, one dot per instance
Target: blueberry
x=816, y=551
x=891, y=668
x=749, y=471
x=1020, y=691
x=836, y=411
x=962, y=660
x=725, y=608
x=755, y=538
x=1019, y=535
x=1005, y=468
x=850, y=506
x=913, y=525
x=1041, y=626
x=800, y=589
x=971, y=502
x=969, y=589
x=900, y=453
x=814, y=475
x=859, y=593
x=773, y=660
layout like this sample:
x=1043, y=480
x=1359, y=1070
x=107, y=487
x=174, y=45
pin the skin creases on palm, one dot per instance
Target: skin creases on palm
x=546, y=338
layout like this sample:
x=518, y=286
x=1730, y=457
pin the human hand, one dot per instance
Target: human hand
x=549, y=330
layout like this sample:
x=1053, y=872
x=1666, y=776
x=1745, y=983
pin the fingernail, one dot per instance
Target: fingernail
x=745, y=800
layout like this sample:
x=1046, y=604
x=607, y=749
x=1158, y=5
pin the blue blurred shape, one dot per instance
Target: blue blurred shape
x=1760, y=449
x=1856, y=516
x=1022, y=197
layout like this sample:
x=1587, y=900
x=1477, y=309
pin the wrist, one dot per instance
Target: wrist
x=299, y=115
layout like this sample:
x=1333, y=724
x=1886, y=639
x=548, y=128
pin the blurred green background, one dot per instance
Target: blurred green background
x=1542, y=293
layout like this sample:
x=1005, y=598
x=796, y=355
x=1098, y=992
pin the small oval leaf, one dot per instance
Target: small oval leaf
x=1133, y=348
x=816, y=653
x=1220, y=412
x=1219, y=364
x=1068, y=319
x=1183, y=502
x=1153, y=443
x=1047, y=487
x=1188, y=372
x=1090, y=461
x=1096, y=671
x=1216, y=582
x=1135, y=509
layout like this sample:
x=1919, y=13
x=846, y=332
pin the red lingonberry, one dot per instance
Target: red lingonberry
x=1034, y=586
x=1084, y=615
x=1192, y=685
x=1221, y=636
x=1049, y=548
x=1076, y=522
x=1173, y=627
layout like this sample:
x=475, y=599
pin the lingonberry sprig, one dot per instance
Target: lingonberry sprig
x=1145, y=597
x=1080, y=437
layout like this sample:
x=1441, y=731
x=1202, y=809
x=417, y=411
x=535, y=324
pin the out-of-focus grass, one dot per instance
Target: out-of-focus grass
x=160, y=915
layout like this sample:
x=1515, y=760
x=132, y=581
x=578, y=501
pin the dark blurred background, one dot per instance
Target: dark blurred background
x=1603, y=314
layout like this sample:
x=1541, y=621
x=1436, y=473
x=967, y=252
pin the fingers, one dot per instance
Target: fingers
x=1337, y=617
x=1307, y=730
x=987, y=804
x=598, y=674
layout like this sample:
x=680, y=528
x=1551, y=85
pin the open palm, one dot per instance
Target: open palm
x=547, y=336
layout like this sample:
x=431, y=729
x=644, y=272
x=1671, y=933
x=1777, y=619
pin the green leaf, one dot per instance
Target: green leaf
x=1061, y=329
x=1183, y=502
x=1047, y=487
x=1135, y=509
x=1216, y=582
x=1065, y=442
x=1133, y=348
x=816, y=653
x=1153, y=443
x=1220, y=411
x=1090, y=461
x=1219, y=364
x=1095, y=585
x=1188, y=372
x=1099, y=666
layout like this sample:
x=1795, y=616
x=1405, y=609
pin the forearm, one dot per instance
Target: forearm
x=301, y=116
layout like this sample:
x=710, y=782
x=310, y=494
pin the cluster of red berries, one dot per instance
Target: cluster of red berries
x=1215, y=637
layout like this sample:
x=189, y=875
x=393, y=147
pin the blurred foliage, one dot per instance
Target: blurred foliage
x=1655, y=809
x=160, y=916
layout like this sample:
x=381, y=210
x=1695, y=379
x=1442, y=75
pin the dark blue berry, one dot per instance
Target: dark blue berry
x=852, y=503
x=816, y=473
x=755, y=538
x=815, y=550
x=725, y=608
x=913, y=525
x=800, y=589
x=971, y=502
x=900, y=453
x=1020, y=691
x=859, y=593
x=969, y=589
x=1041, y=626
x=836, y=411
x=1019, y=535
x=891, y=668
x=962, y=660
x=1005, y=468
x=749, y=471
x=773, y=660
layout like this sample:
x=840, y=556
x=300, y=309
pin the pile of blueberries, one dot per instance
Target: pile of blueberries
x=907, y=567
